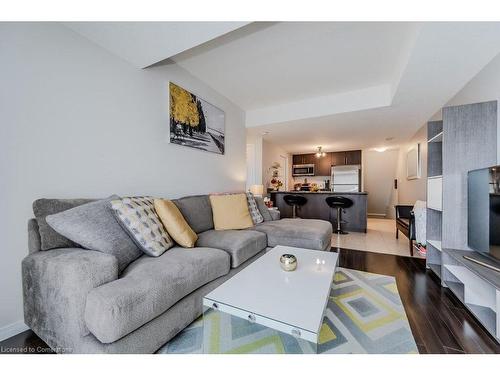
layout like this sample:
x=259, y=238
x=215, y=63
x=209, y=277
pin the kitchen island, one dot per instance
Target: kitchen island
x=316, y=208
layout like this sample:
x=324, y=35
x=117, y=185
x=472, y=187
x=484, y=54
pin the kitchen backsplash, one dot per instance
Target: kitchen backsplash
x=320, y=181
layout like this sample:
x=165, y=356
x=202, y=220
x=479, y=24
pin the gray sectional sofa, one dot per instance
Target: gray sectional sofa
x=77, y=301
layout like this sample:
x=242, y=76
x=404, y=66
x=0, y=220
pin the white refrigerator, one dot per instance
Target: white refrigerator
x=345, y=178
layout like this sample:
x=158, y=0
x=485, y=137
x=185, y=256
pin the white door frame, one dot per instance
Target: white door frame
x=284, y=159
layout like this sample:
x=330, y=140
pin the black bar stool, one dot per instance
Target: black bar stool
x=340, y=203
x=295, y=201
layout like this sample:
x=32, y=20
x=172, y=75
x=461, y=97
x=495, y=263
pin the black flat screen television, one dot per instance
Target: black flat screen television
x=484, y=212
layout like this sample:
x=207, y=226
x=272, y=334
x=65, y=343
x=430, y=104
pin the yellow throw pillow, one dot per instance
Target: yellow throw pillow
x=230, y=211
x=174, y=223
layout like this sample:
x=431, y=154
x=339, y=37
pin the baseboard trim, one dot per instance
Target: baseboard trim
x=376, y=215
x=12, y=330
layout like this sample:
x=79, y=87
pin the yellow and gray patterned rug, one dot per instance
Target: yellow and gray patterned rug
x=364, y=315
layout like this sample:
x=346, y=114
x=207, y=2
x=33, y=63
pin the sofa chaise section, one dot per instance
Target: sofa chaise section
x=149, y=287
x=306, y=233
x=153, y=335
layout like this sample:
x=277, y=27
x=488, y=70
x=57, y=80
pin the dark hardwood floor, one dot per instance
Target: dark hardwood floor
x=439, y=322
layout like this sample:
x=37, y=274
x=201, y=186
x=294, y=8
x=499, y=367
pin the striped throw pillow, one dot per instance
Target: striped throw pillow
x=257, y=217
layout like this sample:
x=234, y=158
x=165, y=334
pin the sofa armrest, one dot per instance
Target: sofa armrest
x=275, y=214
x=55, y=287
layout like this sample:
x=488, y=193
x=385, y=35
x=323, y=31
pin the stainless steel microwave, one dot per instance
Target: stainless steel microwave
x=303, y=170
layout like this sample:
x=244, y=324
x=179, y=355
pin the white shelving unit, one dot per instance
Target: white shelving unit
x=435, y=193
x=477, y=290
x=437, y=138
x=476, y=286
x=434, y=196
x=436, y=244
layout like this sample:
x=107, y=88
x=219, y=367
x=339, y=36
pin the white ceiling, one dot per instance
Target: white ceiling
x=334, y=84
x=274, y=63
x=146, y=43
x=342, y=85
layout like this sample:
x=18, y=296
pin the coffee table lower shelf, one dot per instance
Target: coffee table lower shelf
x=227, y=333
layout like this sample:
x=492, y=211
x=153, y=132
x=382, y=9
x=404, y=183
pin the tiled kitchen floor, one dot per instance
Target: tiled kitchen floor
x=379, y=238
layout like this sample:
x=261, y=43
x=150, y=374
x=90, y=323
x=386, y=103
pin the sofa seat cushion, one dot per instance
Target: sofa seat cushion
x=306, y=233
x=241, y=245
x=148, y=287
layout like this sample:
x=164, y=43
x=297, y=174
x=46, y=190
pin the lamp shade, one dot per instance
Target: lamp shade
x=257, y=189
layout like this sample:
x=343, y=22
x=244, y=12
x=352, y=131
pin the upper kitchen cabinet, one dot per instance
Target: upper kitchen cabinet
x=346, y=158
x=304, y=159
x=323, y=165
x=353, y=157
x=309, y=159
x=338, y=158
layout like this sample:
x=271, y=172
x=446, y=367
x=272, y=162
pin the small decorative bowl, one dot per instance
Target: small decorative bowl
x=288, y=262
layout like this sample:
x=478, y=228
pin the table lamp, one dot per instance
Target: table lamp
x=257, y=190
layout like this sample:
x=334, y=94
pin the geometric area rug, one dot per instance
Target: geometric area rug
x=364, y=314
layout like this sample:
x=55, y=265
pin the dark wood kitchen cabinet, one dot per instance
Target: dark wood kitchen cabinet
x=304, y=159
x=309, y=158
x=353, y=157
x=297, y=159
x=323, y=165
x=346, y=157
x=338, y=158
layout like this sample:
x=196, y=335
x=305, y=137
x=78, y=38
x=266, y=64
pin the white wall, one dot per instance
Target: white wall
x=379, y=172
x=254, y=160
x=76, y=121
x=410, y=191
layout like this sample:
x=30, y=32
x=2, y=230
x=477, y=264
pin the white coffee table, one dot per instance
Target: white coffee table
x=292, y=303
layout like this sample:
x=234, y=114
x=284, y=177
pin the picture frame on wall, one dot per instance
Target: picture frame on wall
x=194, y=122
x=413, y=164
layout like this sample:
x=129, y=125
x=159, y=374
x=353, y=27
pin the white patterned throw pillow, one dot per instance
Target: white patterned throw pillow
x=257, y=217
x=138, y=217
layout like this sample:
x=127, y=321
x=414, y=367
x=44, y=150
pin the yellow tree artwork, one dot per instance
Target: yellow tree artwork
x=194, y=122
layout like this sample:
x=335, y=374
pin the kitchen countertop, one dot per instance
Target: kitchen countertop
x=315, y=207
x=321, y=192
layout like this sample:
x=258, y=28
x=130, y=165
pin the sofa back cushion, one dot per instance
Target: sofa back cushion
x=49, y=238
x=94, y=227
x=264, y=211
x=197, y=211
x=138, y=217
